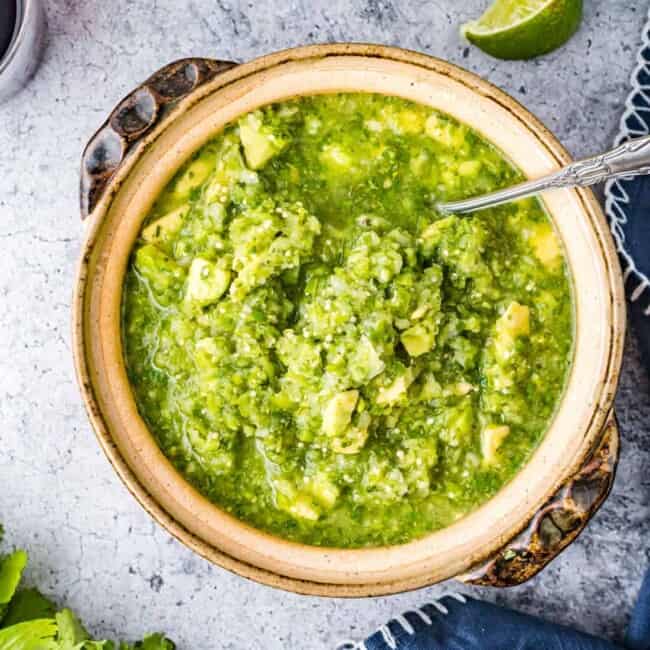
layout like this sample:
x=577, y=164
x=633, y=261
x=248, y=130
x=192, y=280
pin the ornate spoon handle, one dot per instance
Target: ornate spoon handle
x=632, y=158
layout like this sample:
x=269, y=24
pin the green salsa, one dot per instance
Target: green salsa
x=318, y=350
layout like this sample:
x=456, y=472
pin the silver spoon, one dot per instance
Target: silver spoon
x=632, y=158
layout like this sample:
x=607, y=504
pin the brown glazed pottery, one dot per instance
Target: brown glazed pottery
x=505, y=541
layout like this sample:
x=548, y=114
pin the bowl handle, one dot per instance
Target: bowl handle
x=558, y=522
x=135, y=117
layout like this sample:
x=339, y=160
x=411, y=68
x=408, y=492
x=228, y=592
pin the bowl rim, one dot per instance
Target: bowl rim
x=137, y=486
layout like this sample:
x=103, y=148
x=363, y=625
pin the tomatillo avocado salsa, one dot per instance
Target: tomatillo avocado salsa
x=320, y=352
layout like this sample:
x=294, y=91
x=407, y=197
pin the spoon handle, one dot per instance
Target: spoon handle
x=632, y=158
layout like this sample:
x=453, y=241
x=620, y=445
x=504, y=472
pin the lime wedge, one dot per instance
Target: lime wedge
x=522, y=29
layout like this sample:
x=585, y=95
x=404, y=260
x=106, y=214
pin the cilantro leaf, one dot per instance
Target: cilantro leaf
x=28, y=620
x=155, y=642
x=26, y=605
x=71, y=633
x=150, y=642
x=30, y=635
x=11, y=570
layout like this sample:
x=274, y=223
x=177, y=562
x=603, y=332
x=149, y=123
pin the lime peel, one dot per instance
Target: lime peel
x=523, y=29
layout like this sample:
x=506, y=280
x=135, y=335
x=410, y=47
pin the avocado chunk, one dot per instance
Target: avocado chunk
x=458, y=423
x=491, y=438
x=366, y=362
x=164, y=228
x=338, y=412
x=417, y=340
x=469, y=168
x=303, y=508
x=432, y=235
x=206, y=282
x=296, y=502
x=420, y=312
x=323, y=490
x=546, y=246
x=194, y=176
x=351, y=441
x=397, y=389
x=259, y=142
x=161, y=272
x=229, y=170
x=513, y=323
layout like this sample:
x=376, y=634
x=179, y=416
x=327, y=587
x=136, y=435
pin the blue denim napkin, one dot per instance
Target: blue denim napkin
x=457, y=622
x=627, y=204
x=461, y=623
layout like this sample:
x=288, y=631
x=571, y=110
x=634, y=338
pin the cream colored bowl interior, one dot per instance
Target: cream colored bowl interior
x=444, y=553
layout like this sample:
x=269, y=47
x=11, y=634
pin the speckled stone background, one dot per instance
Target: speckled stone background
x=91, y=546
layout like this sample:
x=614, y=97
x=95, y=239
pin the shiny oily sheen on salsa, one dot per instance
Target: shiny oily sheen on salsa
x=320, y=352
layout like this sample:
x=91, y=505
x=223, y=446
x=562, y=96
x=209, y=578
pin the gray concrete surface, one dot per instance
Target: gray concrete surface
x=90, y=544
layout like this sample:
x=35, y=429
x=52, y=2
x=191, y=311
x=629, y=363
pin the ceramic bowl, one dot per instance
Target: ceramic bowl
x=505, y=541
